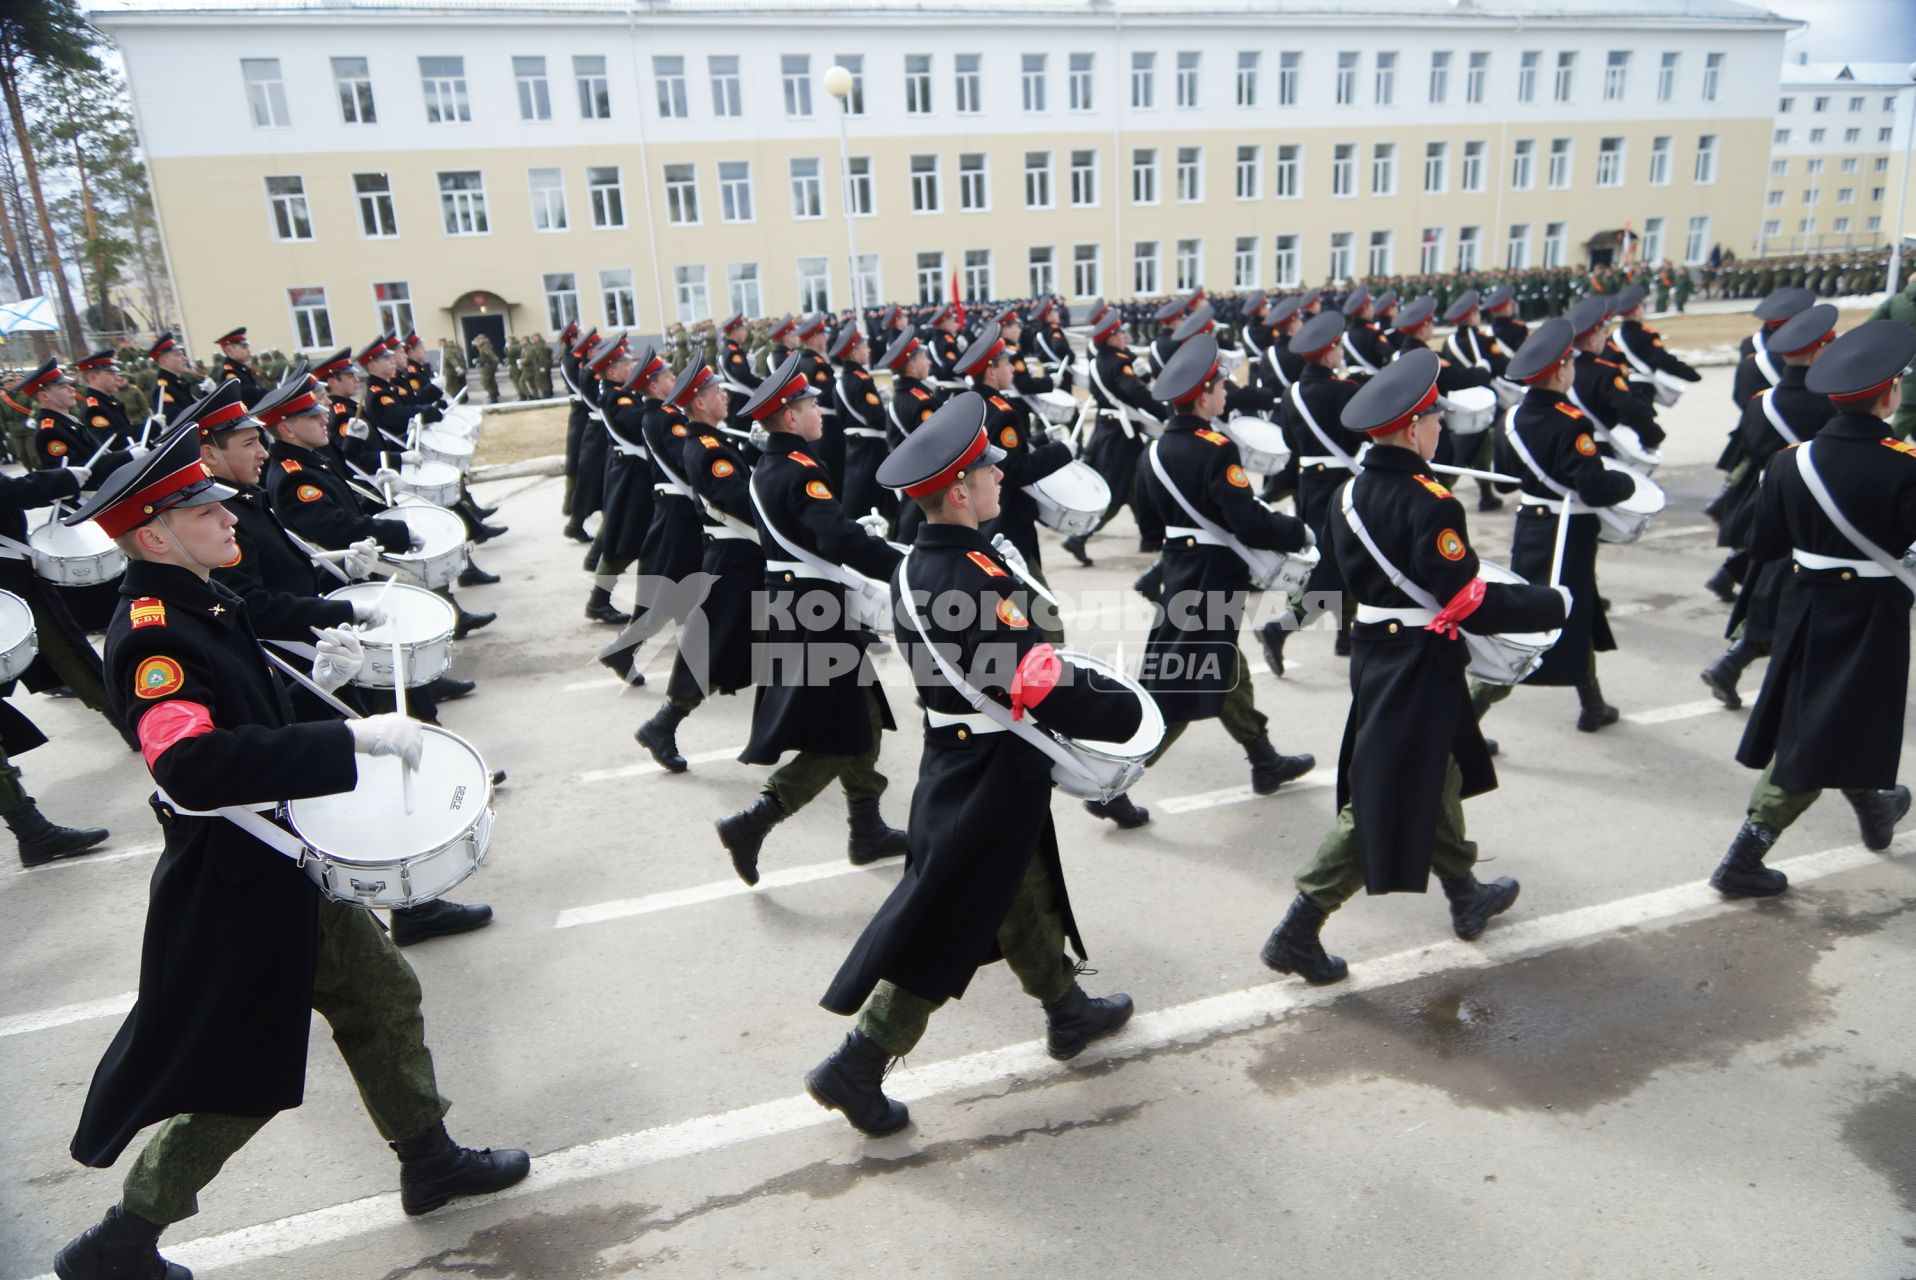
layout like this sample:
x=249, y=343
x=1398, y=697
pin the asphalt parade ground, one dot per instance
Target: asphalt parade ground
x=1627, y=1077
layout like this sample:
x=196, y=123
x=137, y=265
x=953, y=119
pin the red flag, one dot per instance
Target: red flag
x=956, y=305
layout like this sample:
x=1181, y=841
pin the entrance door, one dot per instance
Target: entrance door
x=494, y=327
x=1602, y=257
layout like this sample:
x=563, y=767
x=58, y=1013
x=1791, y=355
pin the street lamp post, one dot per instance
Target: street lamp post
x=838, y=83
x=1902, y=195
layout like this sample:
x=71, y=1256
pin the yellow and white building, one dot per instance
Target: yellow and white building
x=1838, y=156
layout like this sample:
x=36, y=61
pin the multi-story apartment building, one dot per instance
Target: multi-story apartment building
x=325, y=171
x=1837, y=156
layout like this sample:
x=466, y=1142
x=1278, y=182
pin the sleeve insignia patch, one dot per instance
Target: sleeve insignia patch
x=309, y=493
x=678, y=429
x=1126, y=370
x=157, y=677
x=100, y=420
x=818, y=489
x=385, y=399
x=1586, y=446
x=1010, y=614
x=920, y=393
x=710, y=442
x=1450, y=545
x=871, y=397
x=625, y=402
x=986, y=563
x=147, y=611
x=1621, y=384
x=58, y=448
x=1008, y=437
x=721, y=468
x=1235, y=474
x=998, y=402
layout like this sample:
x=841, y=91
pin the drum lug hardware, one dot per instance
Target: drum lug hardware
x=367, y=888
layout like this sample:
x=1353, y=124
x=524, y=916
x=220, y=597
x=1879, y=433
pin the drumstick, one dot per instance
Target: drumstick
x=386, y=462
x=302, y=678
x=1563, y=541
x=399, y=704
x=1448, y=470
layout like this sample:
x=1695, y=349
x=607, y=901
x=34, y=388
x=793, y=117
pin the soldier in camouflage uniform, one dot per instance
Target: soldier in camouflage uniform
x=485, y=361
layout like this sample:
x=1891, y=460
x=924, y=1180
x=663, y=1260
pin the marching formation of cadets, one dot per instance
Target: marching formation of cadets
x=894, y=468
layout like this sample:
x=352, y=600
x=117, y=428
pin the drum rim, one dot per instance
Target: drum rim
x=378, y=587
x=1079, y=658
x=1077, y=468
x=349, y=860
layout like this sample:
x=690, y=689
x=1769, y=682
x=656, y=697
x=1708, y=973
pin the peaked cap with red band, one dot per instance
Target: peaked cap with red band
x=583, y=347
x=170, y=477
x=843, y=341
x=1320, y=333
x=287, y=400
x=783, y=327
x=692, y=378
x=901, y=348
x=647, y=364
x=1589, y=314
x=986, y=347
x=231, y=338
x=1805, y=331
x=47, y=375
x=95, y=361
x=1202, y=320
x=335, y=365
x=1779, y=305
x=785, y=385
x=943, y=449
x=161, y=345
x=606, y=352
x=376, y=348
x=1547, y=347
x=1403, y=390
x=221, y=410
x=1863, y=363
x=809, y=324
x=1191, y=369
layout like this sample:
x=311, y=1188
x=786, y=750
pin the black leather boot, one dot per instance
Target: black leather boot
x=42, y=842
x=624, y=663
x=1595, y=712
x=437, y=919
x=1150, y=584
x=1878, y=812
x=1487, y=499
x=448, y=689
x=851, y=1082
x=1472, y=903
x=470, y=622
x=1721, y=676
x=1742, y=874
x=659, y=735
x=577, y=533
x=1269, y=770
x=1272, y=635
x=1120, y=810
x=1075, y=1019
x=434, y=1169
x=599, y=608
x=473, y=576
x=1293, y=946
x=120, y=1246
x=744, y=832
x=1722, y=584
x=1075, y=546
x=1341, y=646
x=871, y=839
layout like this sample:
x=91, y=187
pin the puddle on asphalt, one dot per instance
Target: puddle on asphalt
x=1881, y=1132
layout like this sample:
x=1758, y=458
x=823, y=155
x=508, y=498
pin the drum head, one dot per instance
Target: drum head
x=369, y=824
x=430, y=474
x=1258, y=434
x=413, y=614
x=445, y=442
x=16, y=620
x=56, y=539
x=1075, y=487
x=442, y=529
x=1150, y=725
x=1473, y=399
x=1648, y=500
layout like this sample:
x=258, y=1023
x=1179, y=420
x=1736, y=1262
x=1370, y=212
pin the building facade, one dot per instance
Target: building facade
x=325, y=173
x=1837, y=157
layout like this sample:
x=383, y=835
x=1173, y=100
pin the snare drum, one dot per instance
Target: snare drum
x=1667, y=387
x=363, y=847
x=1071, y=499
x=1285, y=571
x=1630, y=448
x=434, y=482
x=19, y=643
x=1260, y=443
x=1116, y=766
x=421, y=622
x=444, y=446
x=445, y=552
x=1626, y=520
x=461, y=420
x=1506, y=658
x=1507, y=392
x=1228, y=359
x=1059, y=407
x=1469, y=410
x=81, y=556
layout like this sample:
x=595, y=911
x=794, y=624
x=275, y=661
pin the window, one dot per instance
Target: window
x=808, y=194
x=1383, y=169
x=1616, y=75
x=548, y=199
x=535, y=95
x=1873, y=224
x=1289, y=168
x=1144, y=81
x=1436, y=166
x=1846, y=195
x=855, y=97
x=1346, y=78
x=1037, y=180
x=1706, y=159
x=1781, y=137
x=735, y=191
x=1523, y=174
x=1288, y=66
x=1774, y=199
x=1653, y=239
x=312, y=323
x=595, y=92
x=1244, y=263
x=1806, y=226
x=1430, y=251
x=1250, y=180
x=1517, y=252
x=287, y=199
x=1820, y=104
x=727, y=95
x=1340, y=263
x=668, y=75
x=742, y=289
x=266, y=96
x=1812, y=194
x=1840, y=226
x=1559, y=176
x=970, y=93
x=616, y=296
x=1882, y=164
x=1032, y=81
x=1660, y=147
x=1883, y=134
x=1470, y=174
x=1475, y=76
x=1610, y=162
x=393, y=304
x=1084, y=179
x=1561, y=87
x=931, y=276
x=859, y=195
x=1849, y=164
x=1144, y=267
x=1772, y=227
x=867, y=283
x=355, y=84
x=1439, y=80
x=1187, y=87
x=1553, y=233
x=974, y=193
x=1380, y=253
x=1813, y=168
x=795, y=71
x=1081, y=64
x=1041, y=271
x=606, y=195
x=1343, y=169
x=1189, y=261
x=377, y=221
x=681, y=195
x=918, y=83
x=1144, y=175
x=688, y=290
x=462, y=202
x=1666, y=78
x=1527, y=75
x=1697, y=243
x=1247, y=60
x=1087, y=275
x=1785, y=106
x=1385, y=82
x=1712, y=70
x=562, y=299
x=1889, y=102
x=1852, y=135
x=1190, y=175
x=443, y=81
x=1816, y=135
x=1284, y=264
x=924, y=184
x=1469, y=240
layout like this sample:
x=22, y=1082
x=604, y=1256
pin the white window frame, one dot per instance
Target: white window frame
x=1616, y=75
x=807, y=188
x=376, y=208
x=744, y=292
x=930, y=275
x=1345, y=92
x=1188, y=62
x=546, y=194
x=1340, y=263
x=1033, y=82
x=1145, y=267
x=312, y=321
x=1696, y=244
x=265, y=93
x=1287, y=171
x=1041, y=270
x=1470, y=244
x=861, y=191
x=286, y=209
x=447, y=101
x=1561, y=171
x=1436, y=167
x=1383, y=169
x=1563, y=85
x=1080, y=69
x=855, y=97
x=1470, y=166
x=974, y=183
x=918, y=84
x=668, y=79
x=728, y=89
x=967, y=75
x=619, y=303
x=978, y=277
x=1439, y=88
x=795, y=84
x=925, y=195
x=1249, y=173
x=1555, y=235
x=690, y=295
x=1712, y=74
x=1381, y=253
x=1517, y=247
x=534, y=89
x=392, y=303
x=353, y=83
x=1290, y=69
x=1704, y=174
x=1244, y=263
x=1144, y=80
x=1087, y=270
x=560, y=289
x=1666, y=75
x=462, y=210
x=1187, y=264
x=1040, y=192
x=1523, y=164
x=594, y=86
x=1286, y=266
x=606, y=200
x=736, y=204
x=1661, y=148
x=1384, y=78
x=1084, y=178
x=1430, y=251
x=1610, y=160
x=1248, y=65
x=1528, y=63
x=1189, y=176
x=681, y=185
x=1144, y=175
x=1343, y=170
x=1475, y=76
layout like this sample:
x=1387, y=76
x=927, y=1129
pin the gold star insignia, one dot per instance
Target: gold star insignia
x=218, y=609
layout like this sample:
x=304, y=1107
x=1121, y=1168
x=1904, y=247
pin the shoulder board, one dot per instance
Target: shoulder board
x=385, y=399
x=289, y=464
x=710, y=442
x=1214, y=437
x=1436, y=490
x=861, y=374
x=801, y=459
x=920, y=393
x=48, y=422
x=1612, y=363
x=986, y=563
x=1565, y=407
x=625, y=400
x=147, y=611
x=997, y=402
x=1442, y=363
x=92, y=401
x=1901, y=446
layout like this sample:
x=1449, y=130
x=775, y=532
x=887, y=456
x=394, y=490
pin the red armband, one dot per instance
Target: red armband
x=167, y=724
x=1037, y=676
x=1461, y=606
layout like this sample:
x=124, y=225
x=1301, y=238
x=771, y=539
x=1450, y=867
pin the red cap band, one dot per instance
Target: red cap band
x=703, y=376
x=1404, y=420
x=136, y=508
x=997, y=349
x=905, y=355
x=304, y=402
x=783, y=398
x=1867, y=395
x=34, y=386
x=951, y=474
x=1823, y=341
x=1197, y=392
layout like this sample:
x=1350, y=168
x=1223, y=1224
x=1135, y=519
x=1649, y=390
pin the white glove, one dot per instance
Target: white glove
x=138, y=450
x=390, y=734
x=385, y=477
x=361, y=556
x=1059, y=432
x=1010, y=555
x=368, y=614
x=411, y=457
x=80, y=476
x=359, y=429
x=415, y=541
x=339, y=657
x=874, y=524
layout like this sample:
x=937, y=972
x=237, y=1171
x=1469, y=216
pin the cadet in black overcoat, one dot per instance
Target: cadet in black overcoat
x=1116, y=442
x=1029, y=455
x=861, y=417
x=585, y=492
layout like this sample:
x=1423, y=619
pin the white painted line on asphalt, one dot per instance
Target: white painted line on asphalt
x=670, y=899
x=94, y=859
x=648, y=768
x=1629, y=609
x=601, y=682
x=1238, y=795
x=21, y=1024
x=1676, y=531
x=1682, y=711
x=1198, y=1019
